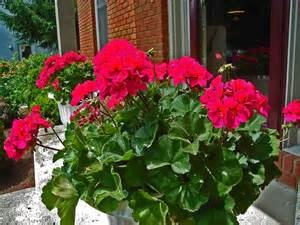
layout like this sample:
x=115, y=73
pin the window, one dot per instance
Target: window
x=293, y=68
x=239, y=31
x=179, y=28
x=101, y=22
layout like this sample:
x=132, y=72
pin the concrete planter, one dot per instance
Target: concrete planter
x=65, y=112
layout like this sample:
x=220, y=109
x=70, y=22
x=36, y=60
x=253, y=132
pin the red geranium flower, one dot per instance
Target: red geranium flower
x=55, y=84
x=121, y=70
x=23, y=134
x=188, y=70
x=233, y=103
x=55, y=64
x=82, y=90
x=87, y=113
x=292, y=112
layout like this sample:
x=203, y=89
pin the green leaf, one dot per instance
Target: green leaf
x=148, y=210
x=94, y=168
x=117, y=149
x=254, y=125
x=168, y=152
x=262, y=148
x=183, y=104
x=225, y=167
x=187, y=194
x=144, y=137
x=191, y=127
x=59, y=155
x=258, y=177
x=216, y=217
x=135, y=173
x=192, y=148
x=244, y=194
x=191, y=198
x=59, y=193
x=110, y=187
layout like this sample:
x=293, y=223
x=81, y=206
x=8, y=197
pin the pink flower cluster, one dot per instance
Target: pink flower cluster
x=87, y=113
x=54, y=64
x=121, y=70
x=233, y=103
x=23, y=134
x=292, y=112
x=188, y=70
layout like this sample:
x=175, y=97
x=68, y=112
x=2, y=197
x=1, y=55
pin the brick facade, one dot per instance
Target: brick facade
x=87, y=27
x=152, y=27
x=289, y=165
x=143, y=22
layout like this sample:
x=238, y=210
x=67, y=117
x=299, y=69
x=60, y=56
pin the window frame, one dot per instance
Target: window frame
x=181, y=47
x=97, y=23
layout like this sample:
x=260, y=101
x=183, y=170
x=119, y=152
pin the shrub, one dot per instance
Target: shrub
x=18, y=86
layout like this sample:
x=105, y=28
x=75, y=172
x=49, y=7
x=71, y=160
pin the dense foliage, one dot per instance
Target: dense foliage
x=17, y=86
x=31, y=21
x=149, y=142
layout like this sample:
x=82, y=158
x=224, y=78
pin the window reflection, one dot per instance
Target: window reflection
x=238, y=32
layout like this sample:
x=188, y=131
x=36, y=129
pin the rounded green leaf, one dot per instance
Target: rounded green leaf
x=148, y=210
x=225, y=167
x=168, y=152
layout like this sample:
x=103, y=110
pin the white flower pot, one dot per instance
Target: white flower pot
x=65, y=112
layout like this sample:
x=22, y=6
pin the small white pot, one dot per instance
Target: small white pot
x=65, y=112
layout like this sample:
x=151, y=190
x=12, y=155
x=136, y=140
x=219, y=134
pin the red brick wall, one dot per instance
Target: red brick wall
x=87, y=27
x=152, y=26
x=290, y=167
x=144, y=22
x=121, y=20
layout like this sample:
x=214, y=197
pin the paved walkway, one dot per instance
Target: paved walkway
x=25, y=207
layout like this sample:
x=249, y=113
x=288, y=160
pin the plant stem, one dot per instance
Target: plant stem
x=138, y=104
x=47, y=147
x=143, y=99
x=58, y=136
x=109, y=115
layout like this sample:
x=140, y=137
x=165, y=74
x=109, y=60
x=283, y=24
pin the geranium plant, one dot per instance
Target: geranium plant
x=60, y=74
x=176, y=144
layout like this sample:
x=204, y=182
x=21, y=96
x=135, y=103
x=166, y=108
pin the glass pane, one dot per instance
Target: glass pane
x=238, y=32
x=102, y=22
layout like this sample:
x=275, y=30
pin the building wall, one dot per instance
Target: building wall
x=152, y=27
x=121, y=20
x=143, y=22
x=289, y=164
x=87, y=27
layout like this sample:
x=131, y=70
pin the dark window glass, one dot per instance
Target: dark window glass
x=238, y=32
x=102, y=22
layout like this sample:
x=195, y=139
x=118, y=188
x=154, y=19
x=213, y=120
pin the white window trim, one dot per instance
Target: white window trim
x=185, y=26
x=97, y=25
x=293, y=79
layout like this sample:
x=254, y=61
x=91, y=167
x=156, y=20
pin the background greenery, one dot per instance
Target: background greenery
x=18, y=88
x=31, y=21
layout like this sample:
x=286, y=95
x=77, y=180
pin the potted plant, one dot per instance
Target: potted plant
x=170, y=141
x=60, y=75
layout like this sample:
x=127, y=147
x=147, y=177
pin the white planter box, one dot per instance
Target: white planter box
x=65, y=112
